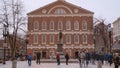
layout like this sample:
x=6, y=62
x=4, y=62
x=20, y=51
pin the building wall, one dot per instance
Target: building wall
x=116, y=30
x=72, y=48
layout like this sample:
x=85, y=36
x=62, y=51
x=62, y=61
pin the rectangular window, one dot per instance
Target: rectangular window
x=43, y=25
x=59, y=25
x=76, y=25
x=84, y=39
x=51, y=25
x=35, y=39
x=68, y=39
x=43, y=39
x=68, y=25
x=84, y=25
x=51, y=39
x=76, y=39
x=36, y=25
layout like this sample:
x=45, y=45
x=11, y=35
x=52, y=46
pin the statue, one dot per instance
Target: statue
x=60, y=35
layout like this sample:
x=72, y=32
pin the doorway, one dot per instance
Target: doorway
x=44, y=55
x=76, y=54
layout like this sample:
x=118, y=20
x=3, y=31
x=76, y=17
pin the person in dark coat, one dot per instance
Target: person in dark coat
x=87, y=58
x=67, y=58
x=116, y=60
x=58, y=59
x=110, y=59
x=38, y=57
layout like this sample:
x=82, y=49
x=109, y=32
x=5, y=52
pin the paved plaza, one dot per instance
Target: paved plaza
x=23, y=64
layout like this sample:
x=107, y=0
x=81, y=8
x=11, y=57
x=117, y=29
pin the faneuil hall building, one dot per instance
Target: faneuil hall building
x=75, y=23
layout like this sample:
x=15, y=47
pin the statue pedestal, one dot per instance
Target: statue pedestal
x=60, y=49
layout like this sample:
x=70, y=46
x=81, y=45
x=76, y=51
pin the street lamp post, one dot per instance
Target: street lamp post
x=5, y=42
x=26, y=41
x=110, y=32
x=94, y=43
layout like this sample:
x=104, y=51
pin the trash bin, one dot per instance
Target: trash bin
x=14, y=64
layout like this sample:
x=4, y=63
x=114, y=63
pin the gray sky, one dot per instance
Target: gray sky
x=106, y=9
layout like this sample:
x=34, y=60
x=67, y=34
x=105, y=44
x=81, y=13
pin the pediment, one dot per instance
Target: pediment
x=60, y=7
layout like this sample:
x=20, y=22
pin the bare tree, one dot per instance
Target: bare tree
x=12, y=18
x=101, y=35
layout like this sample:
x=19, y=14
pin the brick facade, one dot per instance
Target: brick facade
x=69, y=13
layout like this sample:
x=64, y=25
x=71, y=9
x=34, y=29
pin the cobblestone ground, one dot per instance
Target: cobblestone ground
x=23, y=64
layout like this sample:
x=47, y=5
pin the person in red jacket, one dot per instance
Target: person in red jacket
x=58, y=59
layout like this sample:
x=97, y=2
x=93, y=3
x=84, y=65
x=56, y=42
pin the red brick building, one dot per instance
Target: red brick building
x=44, y=24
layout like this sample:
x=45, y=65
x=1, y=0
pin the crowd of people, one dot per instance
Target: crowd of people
x=85, y=58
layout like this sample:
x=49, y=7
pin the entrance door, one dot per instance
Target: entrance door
x=44, y=54
x=76, y=54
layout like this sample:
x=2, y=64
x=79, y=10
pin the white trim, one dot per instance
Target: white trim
x=53, y=15
x=60, y=6
x=71, y=32
x=55, y=47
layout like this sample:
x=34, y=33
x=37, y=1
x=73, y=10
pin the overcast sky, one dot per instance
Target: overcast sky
x=106, y=9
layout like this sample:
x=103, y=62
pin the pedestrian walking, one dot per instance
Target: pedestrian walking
x=29, y=59
x=83, y=58
x=116, y=60
x=87, y=58
x=79, y=60
x=38, y=57
x=67, y=58
x=99, y=62
x=58, y=59
x=93, y=56
x=110, y=59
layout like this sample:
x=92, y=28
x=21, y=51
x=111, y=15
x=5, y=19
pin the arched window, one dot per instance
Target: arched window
x=43, y=25
x=59, y=25
x=68, y=25
x=36, y=25
x=84, y=39
x=51, y=25
x=76, y=25
x=60, y=11
x=84, y=25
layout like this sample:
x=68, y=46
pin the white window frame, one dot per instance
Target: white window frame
x=52, y=25
x=68, y=25
x=84, y=25
x=36, y=25
x=35, y=39
x=43, y=39
x=60, y=25
x=68, y=37
x=76, y=25
x=84, y=39
x=76, y=36
x=51, y=37
x=44, y=26
x=60, y=11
